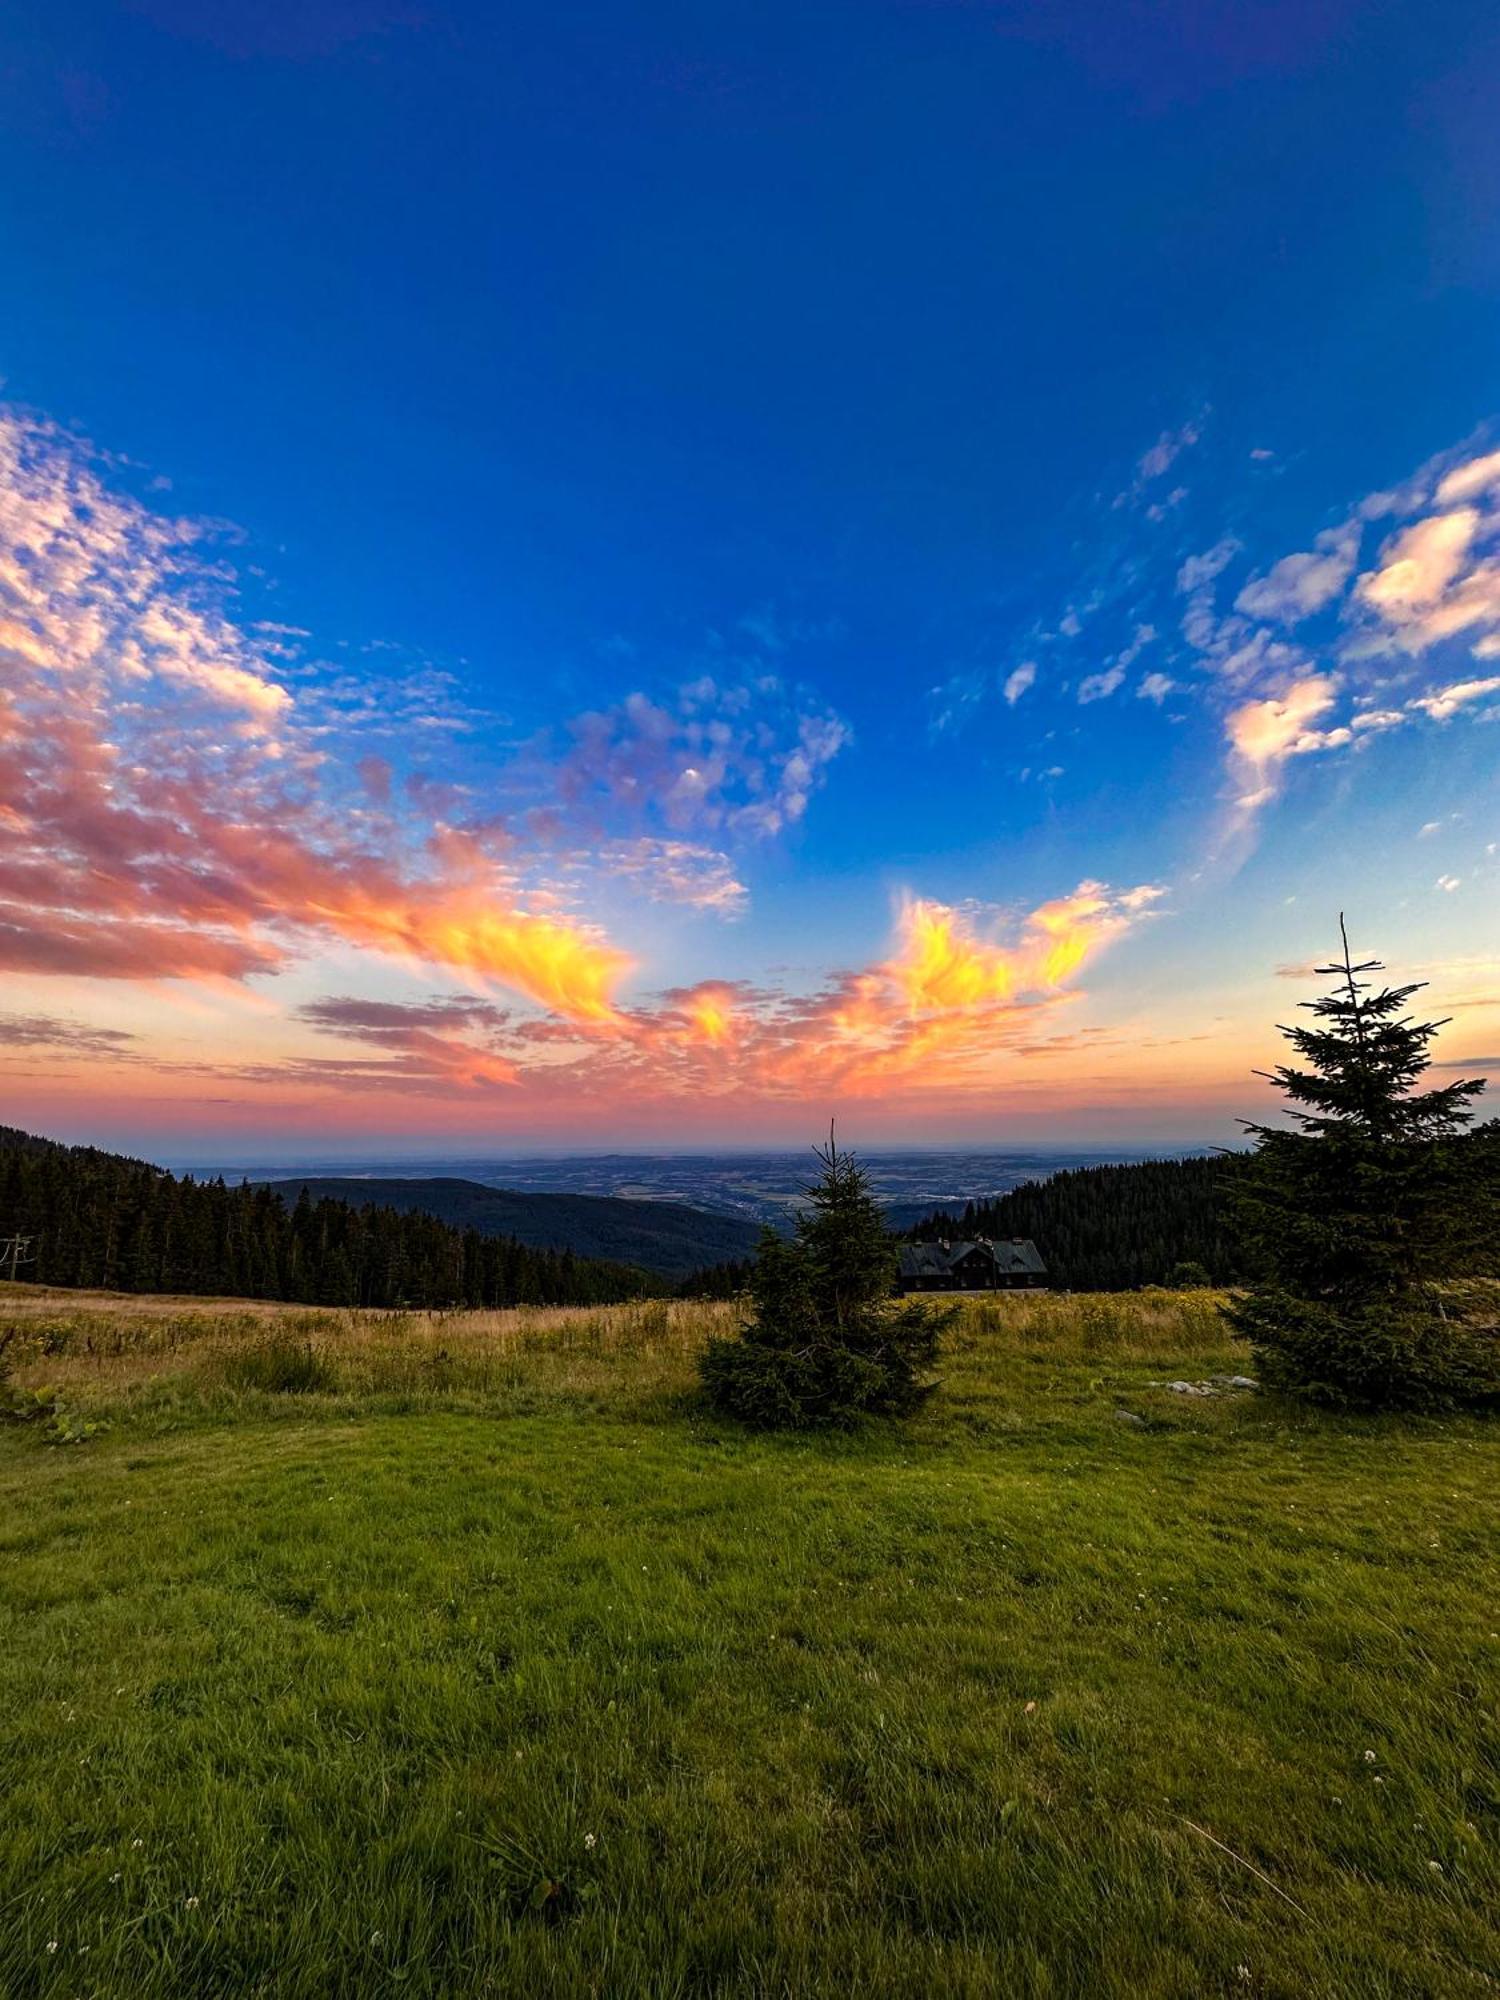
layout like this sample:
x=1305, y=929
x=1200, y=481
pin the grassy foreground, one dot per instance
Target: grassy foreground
x=469, y=1656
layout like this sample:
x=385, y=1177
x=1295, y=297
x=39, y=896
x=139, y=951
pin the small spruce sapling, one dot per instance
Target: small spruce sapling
x=826, y=1342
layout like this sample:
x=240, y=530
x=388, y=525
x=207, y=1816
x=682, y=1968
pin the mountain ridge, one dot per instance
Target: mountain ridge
x=669, y=1238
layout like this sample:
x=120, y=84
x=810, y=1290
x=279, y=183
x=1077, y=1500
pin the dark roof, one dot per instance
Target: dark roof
x=923, y=1260
x=1016, y=1255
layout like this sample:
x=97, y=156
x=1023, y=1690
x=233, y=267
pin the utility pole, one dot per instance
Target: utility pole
x=14, y=1252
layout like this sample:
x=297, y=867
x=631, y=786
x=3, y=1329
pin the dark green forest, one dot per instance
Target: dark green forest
x=1110, y=1229
x=102, y=1220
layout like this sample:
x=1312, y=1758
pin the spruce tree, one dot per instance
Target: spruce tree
x=1354, y=1214
x=827, y=1342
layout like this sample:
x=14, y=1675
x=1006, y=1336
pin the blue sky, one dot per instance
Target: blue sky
x=856, y=360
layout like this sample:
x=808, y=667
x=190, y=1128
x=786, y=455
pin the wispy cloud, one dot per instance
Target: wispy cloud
x=676, y=871
x=744, y=757
x=1435, y=582
x=1086, y=645
x=48, y=1031
x=1299, y=585
x=1264, y=733
x=1018, y=681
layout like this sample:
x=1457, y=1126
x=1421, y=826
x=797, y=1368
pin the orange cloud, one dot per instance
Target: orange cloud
x=940, y=967
x=163, y=816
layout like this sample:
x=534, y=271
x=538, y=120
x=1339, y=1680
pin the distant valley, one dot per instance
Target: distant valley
x=753, y=1188
x=665, y=1237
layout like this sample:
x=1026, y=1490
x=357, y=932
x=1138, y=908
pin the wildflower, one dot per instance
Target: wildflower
x=1369, y=1756
x=137, y=1842
x=590, y=1840
x=51, y=1945
x=192, y=1902
x=116, y=1876
x=1030, y=1708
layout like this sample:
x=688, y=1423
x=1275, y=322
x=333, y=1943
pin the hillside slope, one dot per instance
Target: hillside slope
x=97, y=1219
x=662, y=1236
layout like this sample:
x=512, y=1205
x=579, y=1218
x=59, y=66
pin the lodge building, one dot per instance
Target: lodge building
x=977, y=1265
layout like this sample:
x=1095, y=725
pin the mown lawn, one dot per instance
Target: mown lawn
x=531, y=1679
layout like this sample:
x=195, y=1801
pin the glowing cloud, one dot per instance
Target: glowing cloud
x=1419, y=564
x=141, y=838
x=1264, y=734
x=1445, y=702
x=941, y=966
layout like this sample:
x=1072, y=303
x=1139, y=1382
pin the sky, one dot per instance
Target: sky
x=645, y=577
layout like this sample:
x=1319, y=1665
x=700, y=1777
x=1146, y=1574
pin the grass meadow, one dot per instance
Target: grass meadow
x=443, y=1656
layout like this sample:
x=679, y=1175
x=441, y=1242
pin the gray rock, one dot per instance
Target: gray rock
x=1130, y=1417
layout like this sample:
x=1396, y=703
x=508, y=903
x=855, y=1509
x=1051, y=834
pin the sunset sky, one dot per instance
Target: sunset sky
x=641, y=576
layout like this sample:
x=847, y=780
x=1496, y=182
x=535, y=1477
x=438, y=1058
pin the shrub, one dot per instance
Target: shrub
x=1380, y=1354
x=1188, y=1277
x=827, y=1343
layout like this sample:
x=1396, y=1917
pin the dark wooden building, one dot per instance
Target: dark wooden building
x=977, y=1265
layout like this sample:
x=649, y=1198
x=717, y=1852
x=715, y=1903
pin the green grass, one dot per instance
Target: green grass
x=512, y=1673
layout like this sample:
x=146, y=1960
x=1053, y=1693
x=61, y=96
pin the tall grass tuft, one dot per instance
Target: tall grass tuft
x=282, y=1367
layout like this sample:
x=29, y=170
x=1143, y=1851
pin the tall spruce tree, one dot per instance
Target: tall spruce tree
x=1353, y=1215
x=827, y=1342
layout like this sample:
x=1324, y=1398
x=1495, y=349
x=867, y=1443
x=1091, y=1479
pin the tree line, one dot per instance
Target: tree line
x=99, y=1219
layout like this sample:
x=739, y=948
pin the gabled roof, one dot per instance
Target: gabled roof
x=1019, y=1253
x=1014, y=1256
x=923, y=1260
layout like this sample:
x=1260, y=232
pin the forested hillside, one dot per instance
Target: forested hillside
x=1104, y=1229
x=102, y=1220
x=664, y=1236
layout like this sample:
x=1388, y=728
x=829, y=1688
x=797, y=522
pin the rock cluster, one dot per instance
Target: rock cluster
x=1216, y=1385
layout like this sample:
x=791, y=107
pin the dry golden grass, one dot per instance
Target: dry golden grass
x=99, y=1349
x=99, y=1345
